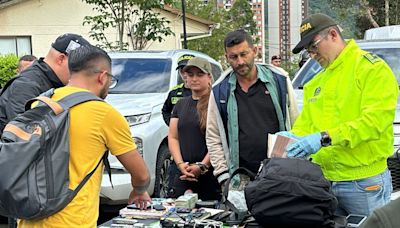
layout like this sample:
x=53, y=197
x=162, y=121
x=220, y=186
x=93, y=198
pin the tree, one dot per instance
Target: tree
x=139, y=19
x=8, y=67
x=227, y=21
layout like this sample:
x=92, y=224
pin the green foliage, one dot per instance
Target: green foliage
x=137, y=18
x=8, y=67
x=239, y=16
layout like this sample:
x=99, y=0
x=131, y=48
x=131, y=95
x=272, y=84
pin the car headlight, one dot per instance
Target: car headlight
x=138, y=119
x=139, y=144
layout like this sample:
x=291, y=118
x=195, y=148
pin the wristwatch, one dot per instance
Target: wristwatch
x=203, y=167
x=325, y=139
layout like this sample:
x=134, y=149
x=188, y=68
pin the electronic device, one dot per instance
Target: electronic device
x=127, y=221
x=158, y=207
x=133, y=206
x=355, y=220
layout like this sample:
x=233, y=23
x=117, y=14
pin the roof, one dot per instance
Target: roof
x=7, y=3
x=188, y=15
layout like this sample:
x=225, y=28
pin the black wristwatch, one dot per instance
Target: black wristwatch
x=203, y=167
x=325, y=139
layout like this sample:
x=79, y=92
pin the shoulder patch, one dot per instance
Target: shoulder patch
x=177, y=86
x=372, y=58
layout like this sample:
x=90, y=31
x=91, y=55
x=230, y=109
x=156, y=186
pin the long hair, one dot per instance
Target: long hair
x=202, y=107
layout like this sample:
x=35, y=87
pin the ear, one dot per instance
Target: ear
x=102, y=78
x=61, y=58
x=254, y=49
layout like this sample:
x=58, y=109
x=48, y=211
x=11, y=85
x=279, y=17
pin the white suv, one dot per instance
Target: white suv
x=144, y=80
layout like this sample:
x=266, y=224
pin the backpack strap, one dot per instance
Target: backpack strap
x=87, y=177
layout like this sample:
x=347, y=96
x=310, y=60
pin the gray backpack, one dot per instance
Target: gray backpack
x=34, y=158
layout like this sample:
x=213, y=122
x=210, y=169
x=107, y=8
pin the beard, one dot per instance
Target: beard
x=103, y=92
x=244, y=70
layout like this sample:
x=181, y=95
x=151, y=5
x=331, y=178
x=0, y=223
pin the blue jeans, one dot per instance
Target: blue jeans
x=363, y=196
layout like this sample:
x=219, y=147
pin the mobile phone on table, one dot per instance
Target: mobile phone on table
x=133, y=206
x=355, y=220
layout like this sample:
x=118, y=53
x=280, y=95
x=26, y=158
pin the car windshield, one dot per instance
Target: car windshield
x=137, y=76
x=390, y=55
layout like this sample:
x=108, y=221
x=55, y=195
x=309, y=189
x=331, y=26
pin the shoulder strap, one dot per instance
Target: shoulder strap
x=78, y=98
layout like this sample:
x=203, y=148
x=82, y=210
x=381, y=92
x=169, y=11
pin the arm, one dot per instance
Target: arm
x=214, y=140
x=174, y=148
x=19, y=92
x=379, y=93
x=140, y=178
x=167, y=109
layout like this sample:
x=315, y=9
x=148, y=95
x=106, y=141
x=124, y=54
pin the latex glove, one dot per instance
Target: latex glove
x=306, y=146
x=287, y=134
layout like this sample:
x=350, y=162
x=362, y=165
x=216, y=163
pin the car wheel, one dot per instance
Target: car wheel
x=162, y=175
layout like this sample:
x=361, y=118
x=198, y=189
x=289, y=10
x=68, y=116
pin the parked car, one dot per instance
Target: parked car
x=144, y=80
x=389, y=50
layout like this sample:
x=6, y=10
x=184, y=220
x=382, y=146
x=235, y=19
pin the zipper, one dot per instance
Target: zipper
x=47, y=159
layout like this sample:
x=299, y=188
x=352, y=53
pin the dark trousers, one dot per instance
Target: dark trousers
x=206, y=187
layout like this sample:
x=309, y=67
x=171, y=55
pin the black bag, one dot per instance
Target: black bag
x=291, y=192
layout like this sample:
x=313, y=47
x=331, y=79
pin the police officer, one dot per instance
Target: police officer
x=178, y=91
x=346, y=124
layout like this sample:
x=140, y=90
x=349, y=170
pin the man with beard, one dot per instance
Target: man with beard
x=95, y=127
x=252, y=101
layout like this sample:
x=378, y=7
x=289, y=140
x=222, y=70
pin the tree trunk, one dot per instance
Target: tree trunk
x=122, y=26
x=386, y=12
x=368, y=9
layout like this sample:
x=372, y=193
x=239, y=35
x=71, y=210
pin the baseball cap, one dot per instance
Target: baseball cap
x=275, y=57
x=183, y=60
x=68, y=42
x=200, y=63
x=310, y=27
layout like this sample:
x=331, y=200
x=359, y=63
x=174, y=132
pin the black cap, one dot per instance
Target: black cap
x=275, y=57
x=183, y=60
x=310, y=27
x=68, y=42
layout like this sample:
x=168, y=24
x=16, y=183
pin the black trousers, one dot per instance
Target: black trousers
x=207, y=186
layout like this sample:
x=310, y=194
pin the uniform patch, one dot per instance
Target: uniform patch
x=175, y=100
x=317, y=91
x=372, y=58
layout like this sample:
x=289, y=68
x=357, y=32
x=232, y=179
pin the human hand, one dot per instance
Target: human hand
x=194, y=169
x=186, y=175
x=287, y=134
x=305, y=146
x=140, y=199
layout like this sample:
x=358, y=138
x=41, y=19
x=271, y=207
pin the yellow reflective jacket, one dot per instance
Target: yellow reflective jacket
x=354, y=99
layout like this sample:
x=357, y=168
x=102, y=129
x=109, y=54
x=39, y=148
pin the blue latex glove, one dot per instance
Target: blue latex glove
x=306, y=146
x=288, y=134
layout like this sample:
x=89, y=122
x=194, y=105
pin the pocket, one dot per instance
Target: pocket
x=370, y=184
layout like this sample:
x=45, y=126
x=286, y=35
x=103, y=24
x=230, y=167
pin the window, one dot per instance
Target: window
x=19, y=45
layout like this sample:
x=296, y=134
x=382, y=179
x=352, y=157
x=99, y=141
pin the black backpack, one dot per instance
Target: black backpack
x=291, y=192
x=34, y=158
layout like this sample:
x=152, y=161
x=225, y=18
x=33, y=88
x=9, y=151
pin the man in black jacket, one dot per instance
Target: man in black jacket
x=44, y=74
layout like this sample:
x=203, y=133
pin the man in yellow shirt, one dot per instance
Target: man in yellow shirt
x=95, y=126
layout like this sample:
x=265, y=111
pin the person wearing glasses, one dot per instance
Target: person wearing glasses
x=178, y=92
x=95, y=127
x=346, y=122
x=186, y=137
x=42, y=75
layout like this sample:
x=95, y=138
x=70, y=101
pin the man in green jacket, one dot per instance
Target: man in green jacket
x=346, y=124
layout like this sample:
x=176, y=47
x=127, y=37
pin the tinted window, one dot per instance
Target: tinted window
x=141, y=75
x=391, y=56
x=311, y=68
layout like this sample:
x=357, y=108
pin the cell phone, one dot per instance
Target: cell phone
x=355, y=220
x=158, y=207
